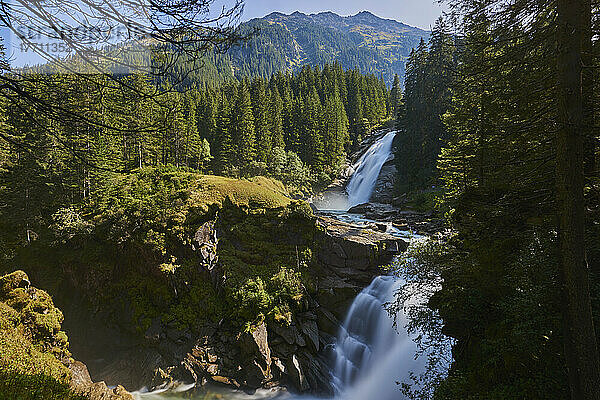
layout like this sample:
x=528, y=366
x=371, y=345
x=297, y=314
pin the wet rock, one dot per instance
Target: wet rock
x=381, y=227
x=360, y=208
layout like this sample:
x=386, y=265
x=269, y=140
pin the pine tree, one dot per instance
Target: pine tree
x=242, y=128
x=261, y=120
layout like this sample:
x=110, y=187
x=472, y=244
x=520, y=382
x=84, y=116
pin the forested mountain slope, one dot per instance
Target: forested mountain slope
x=364, y=41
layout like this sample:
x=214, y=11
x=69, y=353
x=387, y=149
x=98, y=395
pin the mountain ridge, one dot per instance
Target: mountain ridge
x=286, y=42
x=354, y=17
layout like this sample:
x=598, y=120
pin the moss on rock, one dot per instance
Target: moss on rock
x=33, y=349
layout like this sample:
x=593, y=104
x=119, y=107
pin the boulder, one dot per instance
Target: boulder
x=383, y=191
x=256, y=357
x=255, y=344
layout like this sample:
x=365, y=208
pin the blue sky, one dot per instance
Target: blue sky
x=419, y=13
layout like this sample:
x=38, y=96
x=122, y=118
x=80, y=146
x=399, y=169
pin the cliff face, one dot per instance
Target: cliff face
x=182, y=277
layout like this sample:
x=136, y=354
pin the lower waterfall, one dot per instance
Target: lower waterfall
x=372, y=356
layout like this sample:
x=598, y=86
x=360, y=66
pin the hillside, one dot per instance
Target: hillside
x=286, y=42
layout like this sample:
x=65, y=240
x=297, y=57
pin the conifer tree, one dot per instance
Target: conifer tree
x=242, y=128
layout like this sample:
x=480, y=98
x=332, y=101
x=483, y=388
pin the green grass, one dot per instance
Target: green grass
x=260, y=191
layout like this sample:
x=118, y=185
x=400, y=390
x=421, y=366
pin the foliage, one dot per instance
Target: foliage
x=500, y=297
x=419, y=118
x=137, y=262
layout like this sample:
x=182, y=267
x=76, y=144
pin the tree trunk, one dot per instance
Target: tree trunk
x=581, y=350
x=587, y=81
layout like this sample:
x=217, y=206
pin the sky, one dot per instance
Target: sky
x=419, y=13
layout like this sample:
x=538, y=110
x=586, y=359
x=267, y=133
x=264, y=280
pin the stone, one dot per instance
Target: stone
x=360, y=208
x=212, y=369
x=256, y=343
x=285, y=332
x=279, y=365
x=383, y=191
x=81, y=383
x=285, y=350
x=255, y=357
x=311, y=330
x=296, y=375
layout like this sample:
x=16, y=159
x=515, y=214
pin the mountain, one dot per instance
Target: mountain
x=280, y=42
x=286, y=42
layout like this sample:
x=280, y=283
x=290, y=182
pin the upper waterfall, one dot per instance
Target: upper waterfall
x=367, y=169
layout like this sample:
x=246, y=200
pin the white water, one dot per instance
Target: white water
x=367, y=169
x=371, y=356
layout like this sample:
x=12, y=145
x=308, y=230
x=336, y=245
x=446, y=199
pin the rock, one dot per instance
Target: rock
x=383, y=191
x=290, y=334
x=285, y=350
x=225, y=381
x=311, y=330
x=360, y=208
x=279, y=365
x=256, y=343
x=381, y=227
x=81, y=383
x=256, y=357
x=296, y=375
x=155, y=332
x=317, y=374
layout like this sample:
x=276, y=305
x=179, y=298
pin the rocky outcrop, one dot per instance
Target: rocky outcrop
x=82, y=384
x=215, y=280
x=291, y=352
x=350, y=257
x=30, y=328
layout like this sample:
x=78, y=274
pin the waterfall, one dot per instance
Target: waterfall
x=367, y=169
x=371, y=356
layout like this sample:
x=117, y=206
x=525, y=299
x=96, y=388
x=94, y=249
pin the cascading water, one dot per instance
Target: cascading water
x=367, y=169
x=371, y=356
